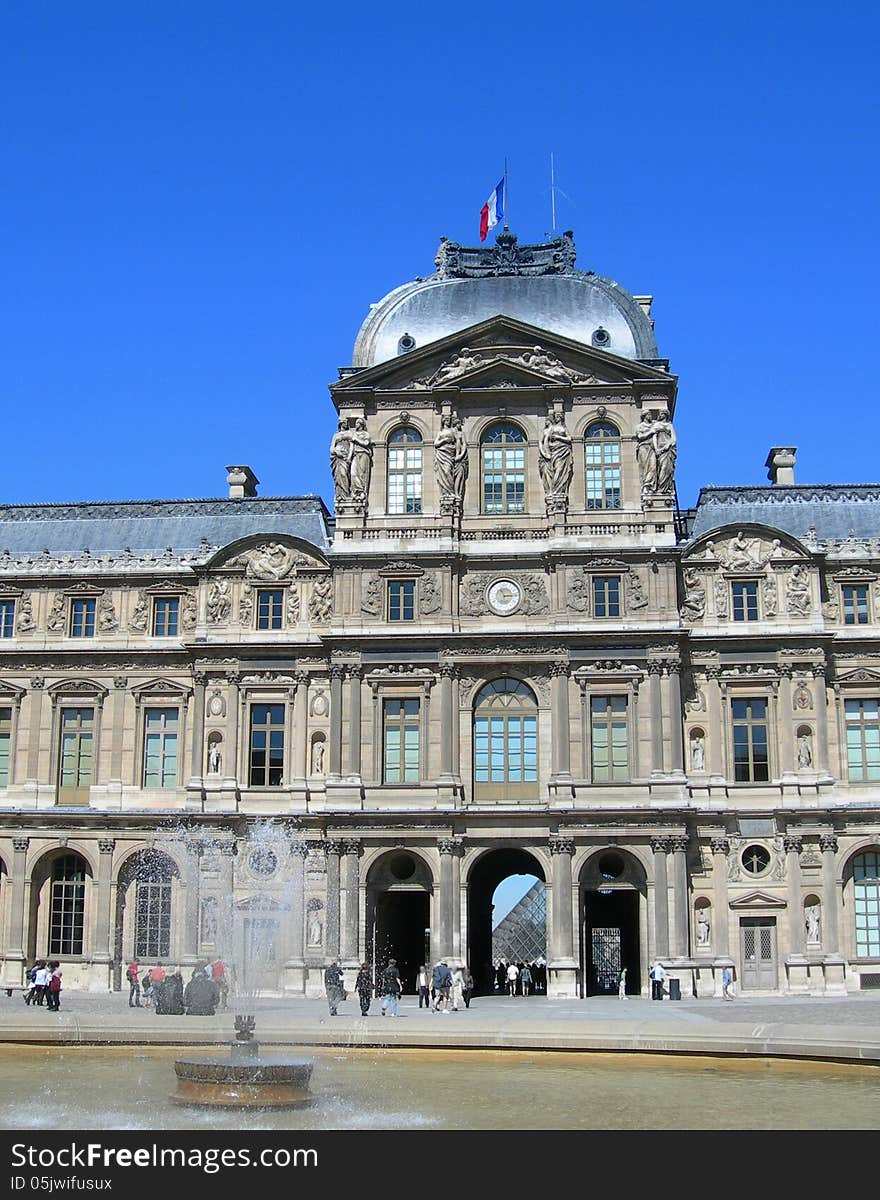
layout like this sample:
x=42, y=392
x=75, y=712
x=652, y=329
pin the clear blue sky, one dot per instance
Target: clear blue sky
x=200, y=200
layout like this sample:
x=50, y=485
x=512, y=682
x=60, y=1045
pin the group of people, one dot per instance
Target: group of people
x=519, y=978
x=207, y=989
x=441, y=988
x=44, y=979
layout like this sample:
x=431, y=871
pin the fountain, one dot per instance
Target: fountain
x=245, y=1079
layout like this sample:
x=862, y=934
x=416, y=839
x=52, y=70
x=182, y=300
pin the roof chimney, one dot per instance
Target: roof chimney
x=242, y=482
x=780, y=464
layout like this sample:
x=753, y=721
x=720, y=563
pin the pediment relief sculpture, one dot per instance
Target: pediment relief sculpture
x=743, y=554
x=758, y=900
x=860, y=675
x=536, y=361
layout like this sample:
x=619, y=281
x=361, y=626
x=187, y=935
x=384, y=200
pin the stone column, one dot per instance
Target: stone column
x=192, y=911
x=792, y=846
x=336, y=677
x=299, y=851
x=197, y=757
x=16, y=883
x=120, y=683
x=661, y=897
x=301, y=725
x=101, y=944
x=456, y=898
x=354, y=720
x=820, y=750
x=786, y=740
x=226, y=906
x=232, y=709
x=676, y=723
x=562, y=947
x=678, y=847
x=720, y=850
x=332, y=849
x=448, y=674
x=828, y=846
x=350, y=849
x=561, y=721
x=447, y=847
x=654, y=669
x=35, y=698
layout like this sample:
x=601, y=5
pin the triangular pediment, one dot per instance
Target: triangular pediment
x=859, y=675
x=757, y=900
x=502, y=352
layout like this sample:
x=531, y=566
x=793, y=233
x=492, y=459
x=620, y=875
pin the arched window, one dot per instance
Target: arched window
x=405, y=471
x=866, y=902
x=152, y=928
x=67, y=906
x=602, y=461
x=504, y=469
x=505, y=742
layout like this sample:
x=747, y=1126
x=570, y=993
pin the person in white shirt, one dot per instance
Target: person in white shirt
x=457, y=989
x=658, y=975
x=512, y=976
x=41, y=983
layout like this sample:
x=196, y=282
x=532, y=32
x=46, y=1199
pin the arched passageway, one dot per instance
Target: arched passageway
x=613, y=922
x=484, y=878
x=399, y=887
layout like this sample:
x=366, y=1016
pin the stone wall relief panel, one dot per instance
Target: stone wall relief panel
x=320, y=603
x=503, y=594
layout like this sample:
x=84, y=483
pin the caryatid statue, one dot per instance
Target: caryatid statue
x=361, y=460
x=451, y=460
x=656, y=452
x=340, y=460
x=555, y=458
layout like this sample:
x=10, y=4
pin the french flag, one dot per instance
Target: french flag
x=492, y=211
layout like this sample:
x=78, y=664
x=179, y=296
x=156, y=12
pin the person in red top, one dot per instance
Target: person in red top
x=134, y=984
x=157, y=975
x=218, y=974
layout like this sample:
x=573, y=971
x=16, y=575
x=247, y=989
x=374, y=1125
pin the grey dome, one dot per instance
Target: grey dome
x=535, y=284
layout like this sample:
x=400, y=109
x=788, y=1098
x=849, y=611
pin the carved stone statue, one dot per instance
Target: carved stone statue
x=450, y=460
x=293, y=606
x=698, y=755
x=321, y=602
x=57, y=619
x=721, y=597
x=318, y=757
x=804, y=750
x=361, y=460
x=797, y=596
x=429, y=595
x=315, y=928
x=140, y=614
x=371, y=601
x=646, y=454
x=340, y=460
x=219, y=602
x=464, y=362
x=666, y=446
x=272, y=561
x=693, y=606
x=635, y=595
x=768, y=594
x=189, y=614
x=704, y=927
x=246, y=606
x=24, y=617
x=812, y=919
x=107, y=622
x=215, y=758
x=555, y=458
x=656, y=452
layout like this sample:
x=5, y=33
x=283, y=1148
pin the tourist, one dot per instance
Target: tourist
x=468, y=989
x=423, y=984
x=202, y=995
x=621, y=984
x=363, y=985
x=512, y=976
x=218, y=974
x=333, y=986
x=41, y=983
x=169, y=995
x=157, y=976
x=30, y=995
x=148, y=990
x=391, y=988
x=132, y=974
x=457, y=988
x=53, y=988
x=727, y=983
x=501, y=976
x=657, y=975
x=525, y=979
x=441, y=978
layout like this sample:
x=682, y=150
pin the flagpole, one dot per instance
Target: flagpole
x=552, y=196
x=506, y=196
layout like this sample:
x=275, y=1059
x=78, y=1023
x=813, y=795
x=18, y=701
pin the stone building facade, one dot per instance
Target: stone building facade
x=244, y=727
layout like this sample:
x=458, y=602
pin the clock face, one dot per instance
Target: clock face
x=504, y=597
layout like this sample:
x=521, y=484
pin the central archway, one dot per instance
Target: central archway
x=613, y=892
x=491, y=869
x=399, y=888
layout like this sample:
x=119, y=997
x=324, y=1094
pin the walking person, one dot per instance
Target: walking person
x=441, y=978
x=133, y=975
x=525, y=979
x=391, y=988
x=53, y=988
x=333, y=986
x=621, y=984
x=363, y=985
x=468, y=989
x=657, y=975
x=727, y=983
x=41, y=983
x=147, y=990
x=512, y=976
x=457, y=988
x=31, y=993
x=423, y=985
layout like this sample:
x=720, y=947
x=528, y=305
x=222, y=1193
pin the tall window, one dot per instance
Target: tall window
x=750, y=757
x=602, y=459
x=855, y=605
x=745, y=600
x=402, y=600
x=606, y=595
x=270, y=608
x=166, y=610
x=405, y=471
x=152, y=929
x=67, y=906
x=77, y=760
x=5, y=744
x=401, y=741
x=160, y=747
x=504, y=469
x=506, y=741
x=866, y=901
x=862, y=740
x=267, y=745
x=7, y=618
x=610, y=738
x=82, y=618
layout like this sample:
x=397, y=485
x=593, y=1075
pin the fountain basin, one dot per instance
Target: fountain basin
x=257, y=1081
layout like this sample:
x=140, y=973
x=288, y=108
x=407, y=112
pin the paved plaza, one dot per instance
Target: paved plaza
x=845, y=1028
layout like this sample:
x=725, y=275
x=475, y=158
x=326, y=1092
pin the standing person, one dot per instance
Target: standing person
x=468, y=989
x=41, y=983
x=423, y=983
x=512, y=976
x=727, y=983
x=363, y=985
x=201, y=995
x=621, y=984
x=157, y=976
x=457, y=988
x=31, y=993
x=391, y=988
x=501, y=975
x=333, y=986
x=218, y=974
x=133, y=975
x=658, y=975
x=147, y=989
x=441, y=977
x=525, y=978
x=53, y=988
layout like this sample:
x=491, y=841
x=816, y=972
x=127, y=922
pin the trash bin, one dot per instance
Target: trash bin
x=674, y=989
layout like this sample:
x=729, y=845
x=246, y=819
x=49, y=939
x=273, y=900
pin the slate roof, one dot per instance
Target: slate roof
x=834, y=511
x=152, y=525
